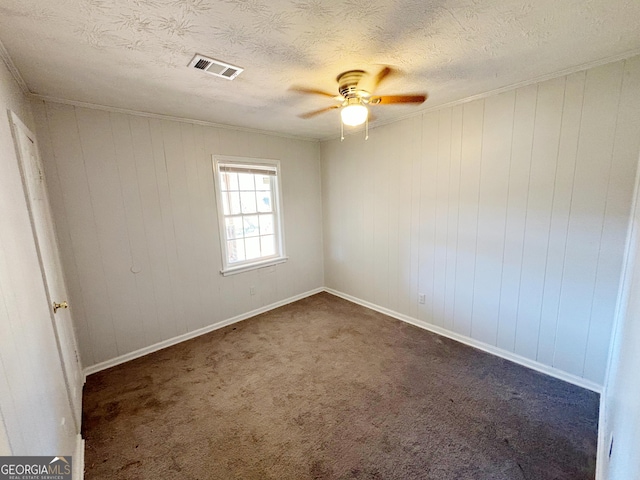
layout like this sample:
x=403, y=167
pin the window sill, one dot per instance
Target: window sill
x=252, y=266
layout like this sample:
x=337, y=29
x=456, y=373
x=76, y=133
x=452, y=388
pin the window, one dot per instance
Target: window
x=249, y=213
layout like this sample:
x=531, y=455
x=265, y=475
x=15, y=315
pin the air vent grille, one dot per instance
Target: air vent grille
x=229, y=72
x=202, y=64
x=215, y=67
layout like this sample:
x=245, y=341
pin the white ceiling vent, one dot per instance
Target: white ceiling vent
x=215, y=67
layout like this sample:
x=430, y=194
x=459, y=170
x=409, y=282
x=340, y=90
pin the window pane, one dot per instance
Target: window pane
x=268, y=245
x=264, y=201
x=246, y=181
x=229, y=181
x=266, y=224
x=234, y=227
x=252, y=247
x=248, y=201
x=263, y=182
x=249, y=213
x=251, y=227
x=231, y=203
x=235, y=251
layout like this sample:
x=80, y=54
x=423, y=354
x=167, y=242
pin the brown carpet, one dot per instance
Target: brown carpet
x=325, y=389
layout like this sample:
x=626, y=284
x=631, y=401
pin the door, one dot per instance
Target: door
x=46, y=243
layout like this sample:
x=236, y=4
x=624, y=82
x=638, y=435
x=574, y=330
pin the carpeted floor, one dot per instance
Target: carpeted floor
x=325, y=389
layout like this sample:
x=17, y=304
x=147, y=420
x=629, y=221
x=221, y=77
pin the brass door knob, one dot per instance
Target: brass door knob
x=57, y=306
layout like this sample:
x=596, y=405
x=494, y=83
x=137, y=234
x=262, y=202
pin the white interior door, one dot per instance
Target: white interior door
x=44, y=234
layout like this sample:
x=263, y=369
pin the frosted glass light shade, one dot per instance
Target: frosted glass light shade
x=354, y=115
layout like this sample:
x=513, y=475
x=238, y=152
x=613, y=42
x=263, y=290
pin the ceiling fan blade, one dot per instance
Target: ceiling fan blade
x=312, y=91
x=318, y=112
x=389, y=99
x=382, y=74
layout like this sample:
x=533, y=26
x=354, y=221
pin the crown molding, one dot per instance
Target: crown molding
x=513, y=86
x=6, y=58
x=160, y=116
x=532, y=81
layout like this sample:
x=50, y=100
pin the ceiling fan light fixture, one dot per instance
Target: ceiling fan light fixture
x=356, y=96
x=354, y=114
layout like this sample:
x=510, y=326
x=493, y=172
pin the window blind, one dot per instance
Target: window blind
x=253, y=169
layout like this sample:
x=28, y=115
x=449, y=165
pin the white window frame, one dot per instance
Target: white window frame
x=278, y=214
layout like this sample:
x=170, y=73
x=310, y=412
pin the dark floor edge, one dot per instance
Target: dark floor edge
x=98, y=367
x=485, y=347
x=525, y=362
x=539, y=367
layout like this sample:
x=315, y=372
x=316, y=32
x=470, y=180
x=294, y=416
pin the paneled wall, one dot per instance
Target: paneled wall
x=508, y=213
x=134, y=203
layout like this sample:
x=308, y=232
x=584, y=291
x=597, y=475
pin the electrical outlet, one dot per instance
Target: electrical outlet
x=421, y=298
x=252, y=290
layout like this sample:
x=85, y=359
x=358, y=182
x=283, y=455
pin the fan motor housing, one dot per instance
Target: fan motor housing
x=348, y=83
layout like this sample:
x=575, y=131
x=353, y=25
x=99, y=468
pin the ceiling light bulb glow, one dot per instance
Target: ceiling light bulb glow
x=353, y=115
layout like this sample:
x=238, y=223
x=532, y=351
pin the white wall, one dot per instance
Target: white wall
x=509, y=213
x=131, y=192
x=5, y=447
x=620, y=416
x=33, y=396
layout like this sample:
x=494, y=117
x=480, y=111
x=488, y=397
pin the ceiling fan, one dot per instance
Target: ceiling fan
x=356, y=92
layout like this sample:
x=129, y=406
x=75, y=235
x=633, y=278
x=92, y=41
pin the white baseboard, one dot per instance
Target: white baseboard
x=554, y=372
x=78, y=459
x=196, y=333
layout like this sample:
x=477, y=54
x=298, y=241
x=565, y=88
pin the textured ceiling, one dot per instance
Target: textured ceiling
x=133, y=53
